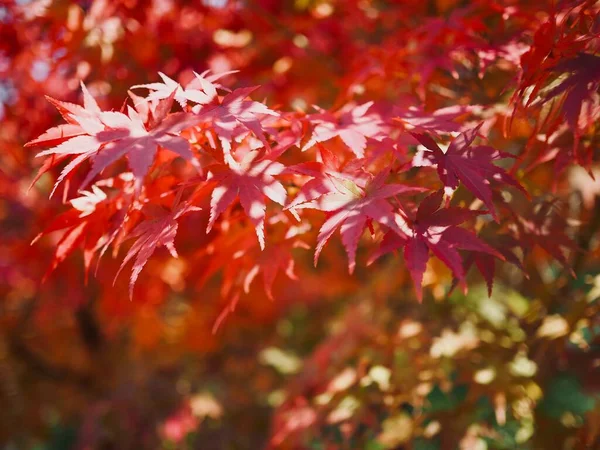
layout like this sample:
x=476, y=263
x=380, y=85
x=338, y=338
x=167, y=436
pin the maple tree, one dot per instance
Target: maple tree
x=362, y=158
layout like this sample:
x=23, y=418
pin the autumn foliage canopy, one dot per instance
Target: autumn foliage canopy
x=387, y=208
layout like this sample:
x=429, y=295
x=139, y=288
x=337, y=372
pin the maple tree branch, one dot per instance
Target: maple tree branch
x=22, y=352
x=57, y=373
x=89, y=327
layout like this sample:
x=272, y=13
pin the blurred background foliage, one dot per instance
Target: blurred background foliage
x=334, y=361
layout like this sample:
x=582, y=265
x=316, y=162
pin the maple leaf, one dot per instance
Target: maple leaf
x=242, y=260
x=57, y=134
x=160, y=230
x=139, y=144
x=203, y=88
x=353, y=207
x=442, y=120
x=325, y=176
x=351, y=123
x=87, y=224
x=554, y=49
x=579, y=86
x=160, y=91
x=510, y=52
x=250, y=180
x=435, y=229
x=73, y=114
x=472, y=165
x=234, y=114
x=152, y=113
x=275, y=258
x=288, y=131
x=544, y=228
x=486, y=263
x=111, y=135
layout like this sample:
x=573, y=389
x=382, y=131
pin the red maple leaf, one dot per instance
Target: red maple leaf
x=579, y=86
x=486, y=263
x=472, y=165
x=250, y=180
x=436, y=229
x=324, y=177
x=158, y=231
x=73, y=114
x=242, y=260
x=544, y=228
x=439, y=121
x=201, y=90
x=110, y=135
x=353, y=124
x=233, y=116
x=353, y=207
x=91, y=222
